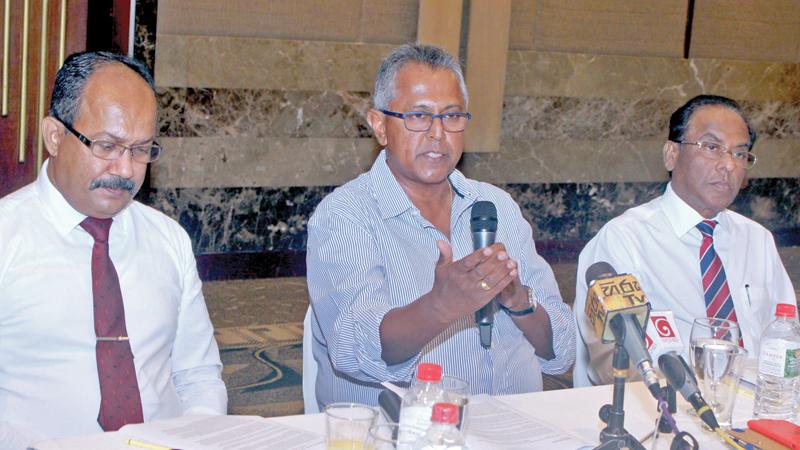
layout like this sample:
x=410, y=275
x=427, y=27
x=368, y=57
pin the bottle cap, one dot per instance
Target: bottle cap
x=785, y=310
x=445, y=413
x=429, y=372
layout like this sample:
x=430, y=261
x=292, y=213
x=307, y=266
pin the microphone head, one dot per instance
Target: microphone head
x=484, y=217
x=600, y=269
x=673, y=370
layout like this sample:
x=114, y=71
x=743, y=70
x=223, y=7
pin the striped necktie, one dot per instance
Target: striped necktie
x=120, y=401
x=716, y=292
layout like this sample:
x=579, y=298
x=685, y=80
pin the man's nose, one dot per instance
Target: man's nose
x=123, y=166
x=436, y=131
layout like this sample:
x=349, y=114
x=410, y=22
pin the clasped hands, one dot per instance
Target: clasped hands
x=464, y=286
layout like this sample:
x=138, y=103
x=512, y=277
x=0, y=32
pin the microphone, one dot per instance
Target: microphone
x=681, y=378
x=661, y=335
x=618, y=310
x=483, y=224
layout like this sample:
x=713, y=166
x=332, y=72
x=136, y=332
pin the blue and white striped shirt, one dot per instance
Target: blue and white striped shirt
x=370, y=251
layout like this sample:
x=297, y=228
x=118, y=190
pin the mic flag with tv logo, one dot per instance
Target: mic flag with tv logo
x=662, y=335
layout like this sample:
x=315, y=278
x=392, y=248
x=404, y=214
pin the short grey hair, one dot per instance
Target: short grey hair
x=429, y=55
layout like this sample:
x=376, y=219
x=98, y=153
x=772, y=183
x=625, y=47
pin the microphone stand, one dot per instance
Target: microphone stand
x=614, y=436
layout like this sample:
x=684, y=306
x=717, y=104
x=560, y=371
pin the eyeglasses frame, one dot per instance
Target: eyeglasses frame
x=433, y=117
x=89, y=142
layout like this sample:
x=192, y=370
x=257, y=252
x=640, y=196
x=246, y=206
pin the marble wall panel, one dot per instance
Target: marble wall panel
x=190, y=112
x=253, y=63
x=630, y=77
x=243, y=161
x=193, y=112
x=233, y=62
x=255, y=219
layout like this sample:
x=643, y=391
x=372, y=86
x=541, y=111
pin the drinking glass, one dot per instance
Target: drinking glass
x=348, y=425
x=719, y=368
x=387, y=436
x=718, y=334
x=711, y=330
x=456, y=391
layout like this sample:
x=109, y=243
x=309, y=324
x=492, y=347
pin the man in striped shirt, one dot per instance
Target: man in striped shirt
x=392, y=274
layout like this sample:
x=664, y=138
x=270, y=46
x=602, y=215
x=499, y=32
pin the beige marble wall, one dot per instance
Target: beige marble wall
x=244, y=111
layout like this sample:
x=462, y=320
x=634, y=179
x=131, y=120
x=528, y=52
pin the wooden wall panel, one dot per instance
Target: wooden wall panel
x=766, y=30
x=487, y=52
x=619, y=27
x=378, y=21
x=439, y=23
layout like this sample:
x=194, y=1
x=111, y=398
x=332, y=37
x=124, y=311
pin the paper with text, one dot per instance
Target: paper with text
x=222, y=432
x=492, y=424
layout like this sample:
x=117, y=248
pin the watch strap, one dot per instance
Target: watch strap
x=532, y=305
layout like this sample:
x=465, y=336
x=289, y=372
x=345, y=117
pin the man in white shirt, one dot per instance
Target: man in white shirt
x=99, y=136
x=659, y=242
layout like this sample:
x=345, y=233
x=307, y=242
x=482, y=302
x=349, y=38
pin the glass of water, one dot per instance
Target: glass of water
x=713, y=330
x=716, y=360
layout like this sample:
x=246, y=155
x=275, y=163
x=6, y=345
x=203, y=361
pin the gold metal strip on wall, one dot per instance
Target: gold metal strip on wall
x=6, y=40
x=42, y=86
x=23, y=89
x=62, y=33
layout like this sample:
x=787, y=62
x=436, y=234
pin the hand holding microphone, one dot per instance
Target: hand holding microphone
x=469, y=284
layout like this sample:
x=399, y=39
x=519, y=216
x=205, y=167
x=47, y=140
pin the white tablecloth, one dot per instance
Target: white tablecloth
x=575, y=410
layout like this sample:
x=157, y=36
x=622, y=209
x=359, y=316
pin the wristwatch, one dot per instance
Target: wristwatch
x=532, y=305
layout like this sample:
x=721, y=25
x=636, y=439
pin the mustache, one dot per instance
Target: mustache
x=113, y=182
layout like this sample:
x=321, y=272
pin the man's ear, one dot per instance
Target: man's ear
x=670, y=153
x=52, y=134
x=377, y=120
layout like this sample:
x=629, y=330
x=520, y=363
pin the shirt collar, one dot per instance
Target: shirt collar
x=682, y=217
x=62, y=215
x=392, y=199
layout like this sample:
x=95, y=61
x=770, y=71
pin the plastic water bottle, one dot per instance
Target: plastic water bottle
x=444, y=433
x=417, y=405
x=779, y=367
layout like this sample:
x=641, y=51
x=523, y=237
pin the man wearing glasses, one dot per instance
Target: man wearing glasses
x=392, y=274
x=691, y=254
x=102, y=317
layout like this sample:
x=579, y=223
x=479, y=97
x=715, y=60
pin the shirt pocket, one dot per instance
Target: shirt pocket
x=760, y=310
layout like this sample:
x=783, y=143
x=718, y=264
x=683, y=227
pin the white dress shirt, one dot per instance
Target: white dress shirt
x=370, y=251
x=48, y=370
x=658, y=243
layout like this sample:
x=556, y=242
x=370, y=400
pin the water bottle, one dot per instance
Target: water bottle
x=417, y=405
x=444, y=433
x=779, y=366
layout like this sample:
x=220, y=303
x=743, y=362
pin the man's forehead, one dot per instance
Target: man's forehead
x=419, y=79
x=717, y=119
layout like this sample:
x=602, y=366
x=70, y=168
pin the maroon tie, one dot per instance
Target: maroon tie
x=120, y=403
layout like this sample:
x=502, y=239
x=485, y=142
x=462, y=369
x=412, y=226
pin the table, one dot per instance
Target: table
x=574, y=410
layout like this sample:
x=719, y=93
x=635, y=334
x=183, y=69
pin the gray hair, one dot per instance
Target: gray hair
x=73, y=75
x=429, y=55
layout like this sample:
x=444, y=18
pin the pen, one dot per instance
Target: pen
x=746, y=445
x=747, y=291
x=141, y=444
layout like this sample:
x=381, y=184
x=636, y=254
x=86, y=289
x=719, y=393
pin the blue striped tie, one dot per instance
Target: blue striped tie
x=716, y=292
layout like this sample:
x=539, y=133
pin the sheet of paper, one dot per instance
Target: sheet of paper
x=217, y=432
x=493, y=424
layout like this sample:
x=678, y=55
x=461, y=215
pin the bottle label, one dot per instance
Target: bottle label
x=418, y=417
x=779, y=358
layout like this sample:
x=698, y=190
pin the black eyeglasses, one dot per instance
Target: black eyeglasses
x=111, y=150
x=741, y=155
x=453, y=122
